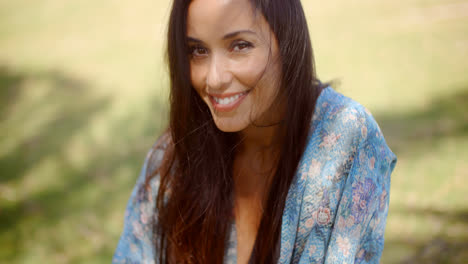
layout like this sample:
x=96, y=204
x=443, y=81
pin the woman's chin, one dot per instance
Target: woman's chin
x=229, y=125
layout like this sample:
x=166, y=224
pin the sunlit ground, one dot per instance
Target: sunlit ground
x=83, y=93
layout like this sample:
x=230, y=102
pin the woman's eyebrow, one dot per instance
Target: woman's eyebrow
x=190, y=39
x=227, y=36
x=235, y=33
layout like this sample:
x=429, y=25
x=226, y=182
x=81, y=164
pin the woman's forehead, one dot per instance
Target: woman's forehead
x=207, y=18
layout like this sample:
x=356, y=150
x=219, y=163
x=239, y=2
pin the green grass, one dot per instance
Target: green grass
x=83, y=95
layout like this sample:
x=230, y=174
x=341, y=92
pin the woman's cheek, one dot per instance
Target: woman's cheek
x=250, y=70
x=249, y=76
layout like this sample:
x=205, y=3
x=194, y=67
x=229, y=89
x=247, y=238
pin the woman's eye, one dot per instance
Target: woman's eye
x=197, y=51
x=241, y=46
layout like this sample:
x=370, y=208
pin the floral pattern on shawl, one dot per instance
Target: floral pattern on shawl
x=337, y=204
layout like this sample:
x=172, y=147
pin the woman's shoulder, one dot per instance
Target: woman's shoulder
x=158, y=152
x=340, y=128
x=147, y=185
x=342, y=116
x=333, y=106
x=342, y=183
x=135, y=244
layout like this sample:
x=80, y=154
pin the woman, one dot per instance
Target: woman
x=260, y=163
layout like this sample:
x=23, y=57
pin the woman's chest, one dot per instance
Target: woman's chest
x=308, y=217
x=247, y=216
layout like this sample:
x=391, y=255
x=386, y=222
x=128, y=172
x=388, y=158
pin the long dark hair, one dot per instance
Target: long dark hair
x=195, y=199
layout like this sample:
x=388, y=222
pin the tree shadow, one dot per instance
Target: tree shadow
x=450, y=217
x=45, y=208
x=10, y=82
x=438, y=250
x=74, y=108
x=441, y=248
x=444, y=117
x=419, y=132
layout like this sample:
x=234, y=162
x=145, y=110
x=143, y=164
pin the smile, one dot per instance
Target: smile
x=227, y=102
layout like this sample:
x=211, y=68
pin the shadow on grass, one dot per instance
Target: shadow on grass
x=449, y=217
x=81, y=190
x=438, y=250
x=73, y=108
x=444, y=117
x=419, y=132
x=442, y=248
x=9, y=88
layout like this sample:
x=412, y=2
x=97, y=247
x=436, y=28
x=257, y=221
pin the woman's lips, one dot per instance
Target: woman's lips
x=227, y=102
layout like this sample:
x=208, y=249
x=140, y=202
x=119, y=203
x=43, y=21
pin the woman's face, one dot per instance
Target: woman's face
x=234, y=63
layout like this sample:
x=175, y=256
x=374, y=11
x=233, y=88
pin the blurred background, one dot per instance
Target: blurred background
x=83, y=95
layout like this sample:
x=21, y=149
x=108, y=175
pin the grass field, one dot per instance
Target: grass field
x=83, y=91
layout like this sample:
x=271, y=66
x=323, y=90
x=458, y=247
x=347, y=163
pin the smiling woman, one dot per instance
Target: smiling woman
x=261, y=163
x=234, y=63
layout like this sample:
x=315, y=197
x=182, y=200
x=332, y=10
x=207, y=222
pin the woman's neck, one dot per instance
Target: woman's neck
x=258, y=138
x=256, y=160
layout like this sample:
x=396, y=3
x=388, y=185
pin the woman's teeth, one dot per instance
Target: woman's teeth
x=228, y=100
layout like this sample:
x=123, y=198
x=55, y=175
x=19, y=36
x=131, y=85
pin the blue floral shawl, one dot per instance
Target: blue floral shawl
x=337, y=204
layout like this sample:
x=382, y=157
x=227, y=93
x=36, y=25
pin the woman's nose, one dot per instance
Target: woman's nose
x=218, y=75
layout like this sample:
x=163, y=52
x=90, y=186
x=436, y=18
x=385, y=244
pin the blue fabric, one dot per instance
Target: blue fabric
x=337, y=204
